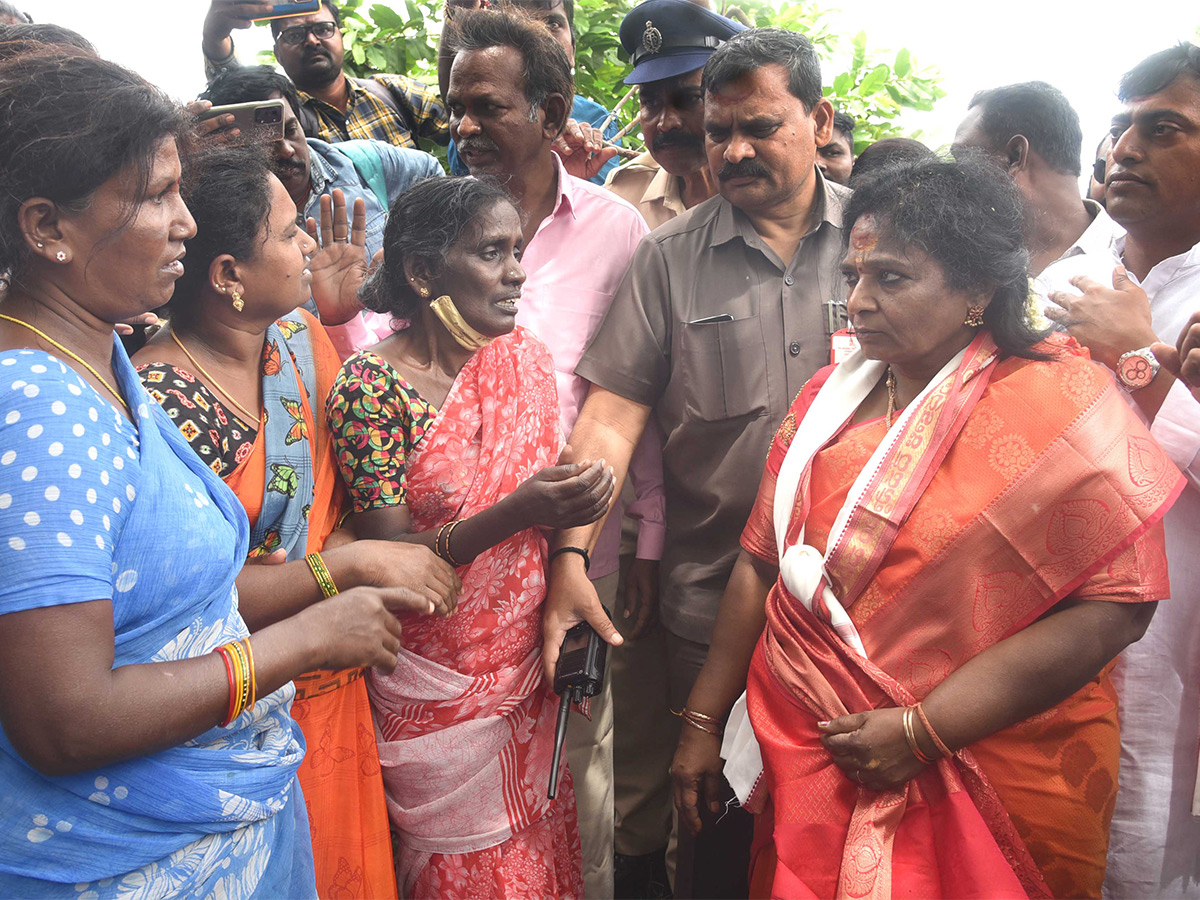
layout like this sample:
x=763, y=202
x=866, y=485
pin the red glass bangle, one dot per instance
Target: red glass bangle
x=224, y=654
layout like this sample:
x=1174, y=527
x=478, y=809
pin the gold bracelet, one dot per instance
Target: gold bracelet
x=701, y=716
x=321, y=573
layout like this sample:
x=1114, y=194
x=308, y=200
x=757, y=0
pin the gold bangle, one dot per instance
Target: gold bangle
x=245, y=642
x=910, y=737
x=716, y=732
x=321, y=573
x=701, y=716
x=933, y=735
x=449, y=534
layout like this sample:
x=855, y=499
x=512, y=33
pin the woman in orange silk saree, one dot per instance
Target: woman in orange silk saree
x=957, y=530
x=1023, y=510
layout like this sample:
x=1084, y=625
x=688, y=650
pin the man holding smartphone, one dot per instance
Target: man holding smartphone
x=374, y=171
x=333, y=106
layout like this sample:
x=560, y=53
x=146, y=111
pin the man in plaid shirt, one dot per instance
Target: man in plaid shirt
x=391, y=108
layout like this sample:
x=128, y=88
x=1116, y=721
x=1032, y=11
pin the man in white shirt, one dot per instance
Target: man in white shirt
x=1153, y=190
x=1031, y=130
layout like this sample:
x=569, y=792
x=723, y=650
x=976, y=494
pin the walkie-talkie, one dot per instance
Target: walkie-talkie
x=579, y=674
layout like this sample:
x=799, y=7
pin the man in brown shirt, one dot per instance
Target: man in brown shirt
x=723, y=316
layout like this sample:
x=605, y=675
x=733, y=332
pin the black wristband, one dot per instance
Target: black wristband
x=587, y=559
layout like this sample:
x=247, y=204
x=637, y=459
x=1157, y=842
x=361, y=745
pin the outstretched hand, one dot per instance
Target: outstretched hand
x=340, y=267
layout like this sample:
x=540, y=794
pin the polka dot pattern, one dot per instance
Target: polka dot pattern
x=82, y=513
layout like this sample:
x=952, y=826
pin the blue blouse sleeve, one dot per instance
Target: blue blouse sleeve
x=68, y=466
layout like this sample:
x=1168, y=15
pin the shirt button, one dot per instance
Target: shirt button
x=794, y=348
x=789, y=280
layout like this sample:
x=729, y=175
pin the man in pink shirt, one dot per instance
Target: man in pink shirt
x=509, y=97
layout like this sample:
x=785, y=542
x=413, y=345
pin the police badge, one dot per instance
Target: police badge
x=651, y=38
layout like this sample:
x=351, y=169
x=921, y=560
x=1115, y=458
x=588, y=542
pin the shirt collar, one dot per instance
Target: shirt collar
x=664, y=188
x=1164, y=272
x=352, y=95
x=733, y=223
x=1100, y=237
x=320, y=172
x=566, y=190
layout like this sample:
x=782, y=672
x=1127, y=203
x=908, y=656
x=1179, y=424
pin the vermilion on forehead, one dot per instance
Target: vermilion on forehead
x=864, y=236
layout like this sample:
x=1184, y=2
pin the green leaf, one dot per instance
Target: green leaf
x=387, y=18
x=903, y=63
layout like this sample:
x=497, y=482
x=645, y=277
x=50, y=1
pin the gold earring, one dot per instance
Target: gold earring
x=238, y=302
x=424, y=292
x=974, y=317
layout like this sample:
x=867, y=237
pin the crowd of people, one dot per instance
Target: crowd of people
x=314, y=449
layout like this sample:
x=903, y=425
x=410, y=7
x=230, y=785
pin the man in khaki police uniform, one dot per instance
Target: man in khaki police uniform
x=725, y=313
x=668, y=42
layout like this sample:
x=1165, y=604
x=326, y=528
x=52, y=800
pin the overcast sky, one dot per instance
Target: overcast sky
x=1081, y=47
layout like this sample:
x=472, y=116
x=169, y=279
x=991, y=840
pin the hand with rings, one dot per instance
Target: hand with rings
x=870, y=748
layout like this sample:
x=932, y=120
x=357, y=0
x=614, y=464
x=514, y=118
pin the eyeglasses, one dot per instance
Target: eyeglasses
x=298, y=34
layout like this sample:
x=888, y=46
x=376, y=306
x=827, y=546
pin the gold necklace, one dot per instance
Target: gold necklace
x=891, y=389
x=53, y=343
x=250, y=417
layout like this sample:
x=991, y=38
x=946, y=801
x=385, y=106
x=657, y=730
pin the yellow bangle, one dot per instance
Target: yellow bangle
x=245, y=642
x=321, y=573
x=238, y=660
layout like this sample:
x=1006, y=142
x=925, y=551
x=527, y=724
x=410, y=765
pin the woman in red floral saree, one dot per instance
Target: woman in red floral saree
x=950, y=545
x=447, y=434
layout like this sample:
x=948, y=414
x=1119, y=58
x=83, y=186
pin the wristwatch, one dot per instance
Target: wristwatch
x=1137, y=368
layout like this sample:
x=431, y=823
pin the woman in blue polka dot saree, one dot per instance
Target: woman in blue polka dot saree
x=135, y=762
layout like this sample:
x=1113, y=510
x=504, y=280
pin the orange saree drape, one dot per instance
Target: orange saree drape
x=340, y=775
x=1049, y=487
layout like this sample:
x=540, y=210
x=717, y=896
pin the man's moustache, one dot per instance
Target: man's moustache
x=680, y=139
x=477, y=144
x=745, y=169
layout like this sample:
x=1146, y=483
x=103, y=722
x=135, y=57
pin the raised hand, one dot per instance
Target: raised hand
x=581, y=149
x=340, y=266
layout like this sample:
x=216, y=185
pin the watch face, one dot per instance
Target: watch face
x=1135, y=371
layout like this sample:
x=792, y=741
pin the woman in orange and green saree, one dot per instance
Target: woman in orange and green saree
x=245, y=375
x=957, y=531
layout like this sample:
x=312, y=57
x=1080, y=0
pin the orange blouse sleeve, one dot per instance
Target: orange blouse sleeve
x=1138, y=574
x=758, y=537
